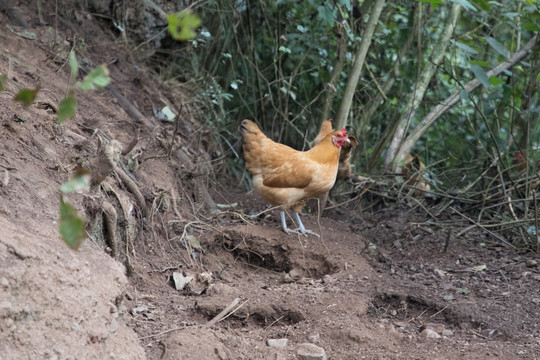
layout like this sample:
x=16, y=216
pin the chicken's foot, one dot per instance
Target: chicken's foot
x=301, y=228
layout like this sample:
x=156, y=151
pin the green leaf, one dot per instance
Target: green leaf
x=79, y=182
x=478, y=268
x=301, y=28
x=3, y=82
x=326, y=14
x=449, y=297
x=182, y=25
x=284, y=49
x=434, y=3
x=97, y=78
x=194, y=242
x=481, y=75
x=497, y=46
x=73, y=65
x=22, y=33
x=346, y=3
x=465, y=4
x=531, y=26
x=66, y=109
x=479, y=63
x=495, y=80
x=26, y=96
x=464, y=47
x=71, y=226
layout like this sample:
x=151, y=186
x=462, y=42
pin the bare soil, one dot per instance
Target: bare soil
x=366, y=289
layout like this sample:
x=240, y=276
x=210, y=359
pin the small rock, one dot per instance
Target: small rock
x=205, y=277
x=536, y=301
x=6, y=306
x=277, y=343
x=440, y=273
x=276, y=356
x=295, y=274
x=447, y=332
x=113, y=326
x=4, y=282
x=402, y=324
x=292, y=276
x=309, y=351
x=9, y=323
x=521, y=352
x=531, y=263
x=314, y=338
x=181, y=280
x=327, y=279
x=429, y=334
x=139, y=309
x=438, y=328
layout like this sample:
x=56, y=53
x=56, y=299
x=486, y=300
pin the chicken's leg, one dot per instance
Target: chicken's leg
x=301, y=229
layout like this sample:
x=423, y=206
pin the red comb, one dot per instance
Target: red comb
x=330, y=120
x=344, y=131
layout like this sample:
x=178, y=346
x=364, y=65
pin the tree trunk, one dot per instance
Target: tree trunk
x=453, y=99
x=393, y=158
x=334, y=76
x=360, y=57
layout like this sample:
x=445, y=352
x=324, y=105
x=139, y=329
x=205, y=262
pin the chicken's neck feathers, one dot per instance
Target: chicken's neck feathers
x=325, y=151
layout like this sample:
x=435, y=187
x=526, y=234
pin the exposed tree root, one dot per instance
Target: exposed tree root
x=111, y=218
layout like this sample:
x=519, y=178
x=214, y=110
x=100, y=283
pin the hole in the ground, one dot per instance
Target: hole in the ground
x=260, y=314
x=276, y=254
x=415, y=308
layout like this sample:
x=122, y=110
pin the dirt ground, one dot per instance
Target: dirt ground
x=378, y=284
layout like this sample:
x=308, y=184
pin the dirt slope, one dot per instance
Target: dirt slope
x=366, y=290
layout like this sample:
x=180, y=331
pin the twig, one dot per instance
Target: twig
x=235, y=213
x=273, y=322
x=162, y=333
x=447, y=242
x=224, y=312
x=503, y=240
x=348, y=201
x=537, y=240
x=465, y=230
x=477, y=334
x=440, y=311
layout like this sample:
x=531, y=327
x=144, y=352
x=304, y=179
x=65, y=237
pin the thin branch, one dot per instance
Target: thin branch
x=224, y=312
x=472, y=85
x=360, y=57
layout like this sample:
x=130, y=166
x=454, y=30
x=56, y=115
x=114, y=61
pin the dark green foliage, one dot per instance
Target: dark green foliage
x=66, y=109
x=271, y=61
x=26, y=96
x=71, y=226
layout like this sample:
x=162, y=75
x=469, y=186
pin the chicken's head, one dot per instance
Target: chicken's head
x=340, y=137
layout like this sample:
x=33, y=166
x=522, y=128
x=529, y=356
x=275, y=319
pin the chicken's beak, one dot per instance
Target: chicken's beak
x=348, y=140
